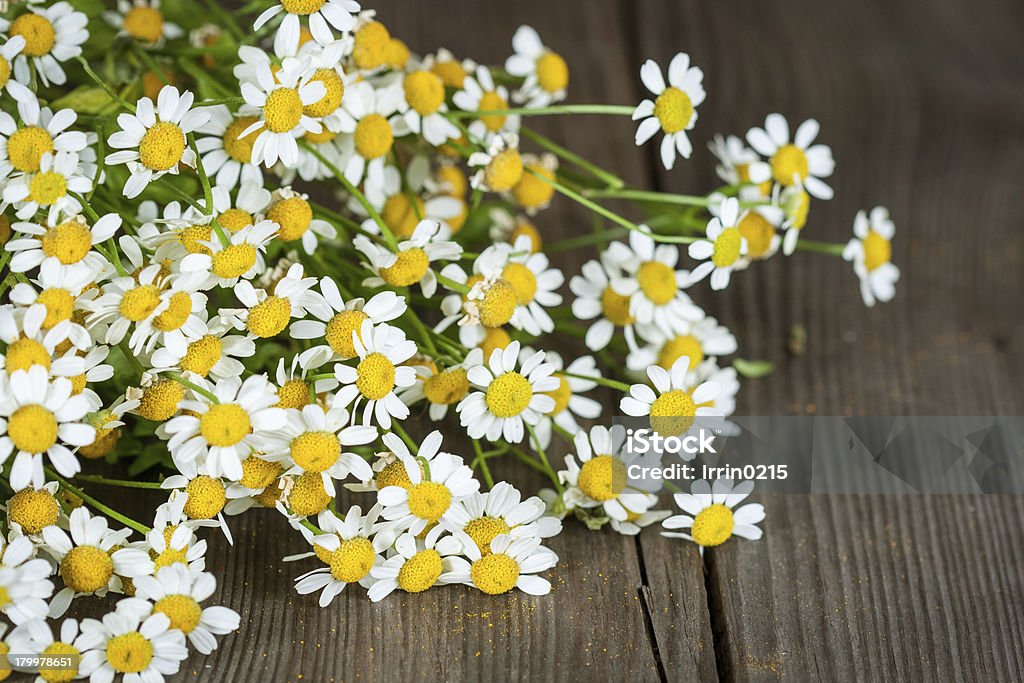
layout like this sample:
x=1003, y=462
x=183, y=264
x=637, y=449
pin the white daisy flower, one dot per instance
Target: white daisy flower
x=479, y=93
x=127, y=301
x=181, y=312
x=281, y=97
x=177, y=593
x=437, y=482
x=724, y=248
x=702, y=342
x=596, y=299
x=870, y=250
x=51, y=188
x=545, y=72
x=28, y=345
x=411, y=264
x=68, y=243
x=208, y=350
x=425, y=108
x=441, y=388
x=337, y=325
x=678, y=403
x=321, y=16
x=268, y=314
x=415, y=565
x=140, y=649
x=759, y=224
x=59, y=291
x=737, y=163
x=508, y=395
x=368, y=117
x=482, y=516
x=174, y=543
x=260, y=485
x=225, y=264
x=11, y=49
x=569, y=401
x=40, y=418
x=87, y=559
x=35, y=637
x=799, y=161
x=512, y=563
x=293, y=213
x=674, y=109
x=24, y=580
x=795, y=204
x=382, y=351
x=500, y=168
x=451, y=70
x=153, y=139
x=143, y=21
x=535, y=284
x=197, y=500
x=41, y=131
x=226, y=155
x=404, y=205
x=52, y=35
x=712, y=516
x=221, y=434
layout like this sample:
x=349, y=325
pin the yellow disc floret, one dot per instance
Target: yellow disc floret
x=451, y=72
x=393, y=474
x=269, y=317
x=340, y=329
x=225, y=424
x=176, y=314
x=47, y=187
x=258, y=473
x=561, y=395
x=485, y=529
x=495, y=574
x=353, y=560
x=371, y=46
x=447, y=387
x=504, y=170
x=509, y=395
x=23, y=353
x=429, y=500
x=679, y=346
x=376, y=376
x=330, y=102
x=37, y=31
x=672, y=413
x=494, y=338
x=498, y=303
x=787, y=162
x=308, y=496
x=193, y=236
x=86, y=569
x=138, y=303
x=202, y=355
x=234, y=261
x=33, y=509
x=240, y=149
x=602, y=477
x=615, y=307
x=552, y=72
x=206, y=497
x=293, y=214
x=183, y=611
x=69, y=242
x=129, y=653
x=409, y=268
x=302, y=7
x=712, y=526
x=532, y=192
x=373, y=136
x=673, y=109
x=424, y=91
x=657, y=281
x=420, y=571
x=283, y=110
x=315, y=451
x=877, y=250
x=234, y=220
x=492, y=101
x=293, y=394
x=402, y=213
x=59, y=651
x=25, y=149
x=758, y=232
x=727, y=247
x=32, y=428
x=162, y=146
x=522, y=279
x=160, y=400
x=144, y=23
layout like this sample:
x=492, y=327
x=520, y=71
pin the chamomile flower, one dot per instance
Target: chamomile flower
x=512, y=563
x=28, y=345
x=799, y=161
x=313, y=439
x=433, y=489
x=241, y=258
x=143, y=20
x=281, y=97
x=506, y=227
x=268, y=314
x=870, y=250
x=37, y=638
x=545, y=72
x=221, y=434
x=535, y=188
x=569, y=401
x=737, y=163
x=442, y=388
x=411, y=264
x=60, y=175
x=702, y=342
x=508, y=395
x=369, y=117
x=598, y=300
x=415, y=565
x=208, y=350
x=11, y=49
x=140, y=648
x=127, y=301
x=68, y=243
x=152, y=141
x=180, y=313
x=451, y=70
x=173, y=543
x=92, y=559
x=535, y=284
x=484, y=516
x=24, y=580
x=795, y=204
x=321, y=16
x=724, y=248
x=37, y=418
x=56, y=290
x=351, y=548
x=336, y=326
x=178, y=593
x=293, y=213
x=52, y=35
x=637, y=521
x=712, y=516
x=759, y=224
x=31, y=510
x=258, y=486
x=500, y=168
x=674, y=109
x=677, y=404
x=382, y=351
x=479, y=93
x=425, y=107
x=404, y=205
x=41, y=131
x=226, y=155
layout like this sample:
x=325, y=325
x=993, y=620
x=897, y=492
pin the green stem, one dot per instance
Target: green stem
x=123, y=483
x=610, y=179
x=482, y=459
x=397, y=429
x=204, y=180
x=131, y=358
x=614, y=109
x=189, y=385
x=544, y=458
x=105, y=509
x=106, y=88
x=610, y=383
x=647, y=196
x=821, y=247
x=599, y=237
x=452, y=284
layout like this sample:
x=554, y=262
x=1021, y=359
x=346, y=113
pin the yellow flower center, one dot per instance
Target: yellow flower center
x=492, y=101
x=373, y=136
x=63, y=675
x=420, y=571
x=376, y=376
x=340, y=330
x=657, y=281
x=451, y=72
x=38, y=32
x=154, y=81
x=32, y=428
x=673, y=413
x=234, y=220
x=138, y=303
x=169, y=557
x=5, y=71
x=234, y=261
x=106, y=439
x=352, y=560
x=484, y=529
x=453, y=179
x=495, y=574
x=182, y=610
x=129, y=653
x=615, y=307
x=258, y=473
x=552, y=72
x=59, y=305
x=523, y=280
x=424, y=91
x=402, y=214
x=86, y=569
x=225, y=424
x=602, y=477
x=23, y=353
x=371, y=45
x=283, y=110
x=727, y=247
x=532, y=192
x=498, y=304
x=447, y=387
x=324, y=136
x=677, y=347
x=240, y=149
x=393, y=474
x=429, y=500
x=712, y=526
x=315, y=451
x=176, y=313
x=293, y=394
x=192, y=238
x=302, y=7
x=877, y=250
x=504, y=171
x=789, y=161
x=758, y=232
x=797, y=207
x=47, y=187
x=308, y=496
x=206, y=497
x=330, y=102
x=561, y=395
x=494, y=338
x=525, y=227
x=509, y=395
x=68, y=242
x=294, y=215
x=673, y=109
x=25, y=149
x=160, y=400
x=269, y=317
x=144, y=23
x=33, y=509
x=409, y=268
x=162, y=146
x=396, y=54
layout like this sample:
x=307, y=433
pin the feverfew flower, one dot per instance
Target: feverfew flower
x=674, y=111
x=369, y=116
x=712, y=516
x=425, y=107
x=871, y=253
x=336, y=325
x=68, y=243
x=483, y=516
x=143, y=21
x=479, y=93
x=50, y=188
x=226, y=155
x=24, y=580
x=534, y=282
x=545, y=72
x=11, y=49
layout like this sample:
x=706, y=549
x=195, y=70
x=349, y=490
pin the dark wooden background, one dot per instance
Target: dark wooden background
x=923, y=104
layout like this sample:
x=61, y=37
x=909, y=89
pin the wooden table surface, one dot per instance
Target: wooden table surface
x=922, y=102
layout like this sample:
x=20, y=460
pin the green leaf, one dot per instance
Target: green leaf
x=86, y=100
x=752, y=369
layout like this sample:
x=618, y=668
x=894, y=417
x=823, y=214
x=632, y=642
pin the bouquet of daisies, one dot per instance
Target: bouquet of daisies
x=277, y=260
